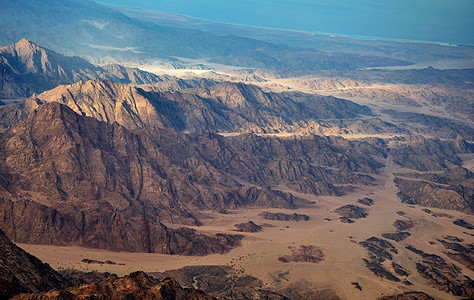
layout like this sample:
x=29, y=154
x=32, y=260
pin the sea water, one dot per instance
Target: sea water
x=447, y=21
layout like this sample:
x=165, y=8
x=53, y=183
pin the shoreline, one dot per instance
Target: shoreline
x=121, y=9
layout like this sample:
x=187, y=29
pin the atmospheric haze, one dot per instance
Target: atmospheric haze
x=439, y=20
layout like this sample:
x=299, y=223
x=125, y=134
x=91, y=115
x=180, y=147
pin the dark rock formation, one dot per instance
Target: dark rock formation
x=381, y=250
x=397, y=237
x=284, y=217
x=442, y=275
x=303, y=253
x=375, y=265
x=423, y=154
x=457, y=197
x=134, y=286
x=379, y=247
x=21, y=272
x=248, y=227
x=464, y=254
x=463, y=223
x=401, y=225
x=366, y=201
x=75, y=277
x=351, y=211
x=357, y=285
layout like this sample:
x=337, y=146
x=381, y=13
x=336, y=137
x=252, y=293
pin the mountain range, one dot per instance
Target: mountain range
x=27, y=68
x=283, y=183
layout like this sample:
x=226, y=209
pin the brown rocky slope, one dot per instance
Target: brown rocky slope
x=95, y=184
x=21, y=272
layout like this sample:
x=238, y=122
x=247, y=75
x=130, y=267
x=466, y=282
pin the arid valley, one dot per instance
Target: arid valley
x=203, y=160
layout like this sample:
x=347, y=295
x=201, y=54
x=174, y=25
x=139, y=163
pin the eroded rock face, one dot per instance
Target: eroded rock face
x=134, y=286
x=96, y=184
x=455, y=197
x=21, y=272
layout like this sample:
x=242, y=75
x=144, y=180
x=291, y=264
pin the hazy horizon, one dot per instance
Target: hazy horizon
x=436, y=21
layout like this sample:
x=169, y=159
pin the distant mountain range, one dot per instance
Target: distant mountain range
x=88, y=28
x=27, y=68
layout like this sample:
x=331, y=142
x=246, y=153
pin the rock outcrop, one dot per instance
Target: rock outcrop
x=349, y=212
x=284, y=217
x=248, y=227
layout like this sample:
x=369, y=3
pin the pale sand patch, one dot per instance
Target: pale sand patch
x=258, y=255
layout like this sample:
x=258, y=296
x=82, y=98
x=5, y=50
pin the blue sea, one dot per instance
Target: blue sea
x=446, y=21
